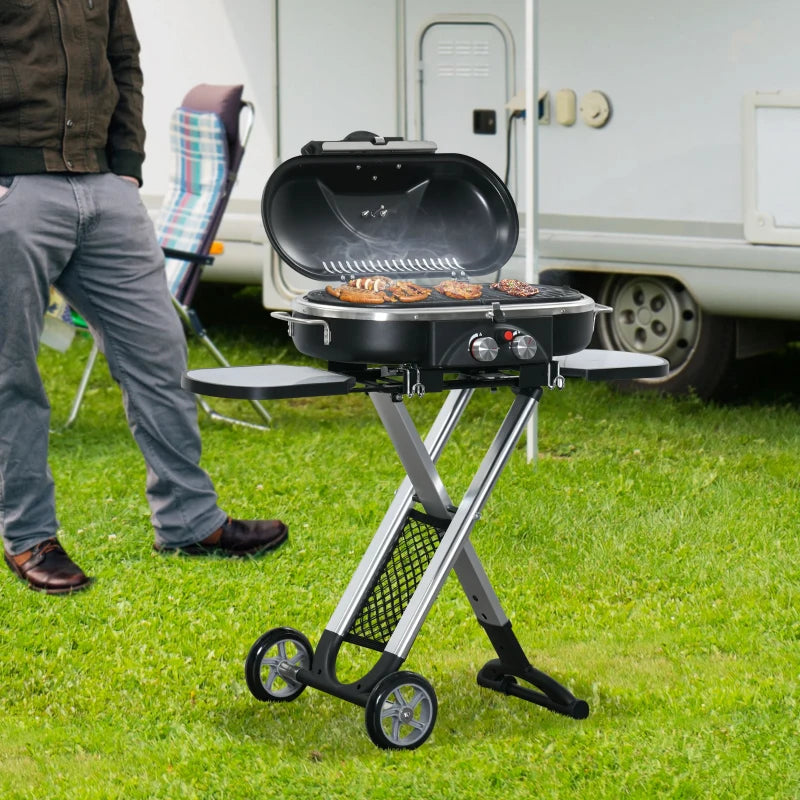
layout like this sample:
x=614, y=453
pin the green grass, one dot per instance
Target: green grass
x=650, y=561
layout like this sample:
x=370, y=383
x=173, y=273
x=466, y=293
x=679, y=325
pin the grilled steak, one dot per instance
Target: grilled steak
x=459, y=290
x=407, y=292
x=350, y=294
x=515, y=288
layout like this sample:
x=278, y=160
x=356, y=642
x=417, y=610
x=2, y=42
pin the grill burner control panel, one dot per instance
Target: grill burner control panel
x=503, y=345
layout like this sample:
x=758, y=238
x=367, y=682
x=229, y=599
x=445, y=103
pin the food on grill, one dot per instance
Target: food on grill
x=515, y=288
x=336, y=291
x=350, y=294
x=378, y=289
x=407, y=292
x=377, y=283
x=354, y=294
x=459, y=290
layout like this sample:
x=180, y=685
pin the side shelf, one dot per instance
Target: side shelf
x=267, y=382
x=609, y=365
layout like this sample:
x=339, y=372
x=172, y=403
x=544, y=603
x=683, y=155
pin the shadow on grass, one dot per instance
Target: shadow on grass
x=771, y=379
x=240, y=313
x=310, y=723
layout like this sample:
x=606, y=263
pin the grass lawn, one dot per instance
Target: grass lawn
x=650, y=561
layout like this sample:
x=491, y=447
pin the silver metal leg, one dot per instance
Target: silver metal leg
x=81, y=391
x=427, y=482
x=479, y=591
x=410, y=557
x=351, y=601
x=424, y=484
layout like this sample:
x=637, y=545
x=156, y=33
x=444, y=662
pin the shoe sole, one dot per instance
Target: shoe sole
x=213, y=550
x=70, y=590
x=43, y=589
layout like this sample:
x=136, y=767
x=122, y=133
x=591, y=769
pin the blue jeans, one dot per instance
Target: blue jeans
x=91, y=237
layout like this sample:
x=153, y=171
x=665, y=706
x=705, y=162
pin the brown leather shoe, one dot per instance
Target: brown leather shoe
x=237, y=537
x=47, y=568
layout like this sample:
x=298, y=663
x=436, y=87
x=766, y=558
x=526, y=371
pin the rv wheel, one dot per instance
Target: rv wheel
x=660, y=317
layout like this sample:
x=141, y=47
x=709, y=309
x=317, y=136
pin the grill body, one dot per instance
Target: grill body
x=441, y=336
x=358, y=209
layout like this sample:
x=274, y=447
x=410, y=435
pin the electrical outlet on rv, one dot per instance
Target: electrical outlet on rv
x=565, y=107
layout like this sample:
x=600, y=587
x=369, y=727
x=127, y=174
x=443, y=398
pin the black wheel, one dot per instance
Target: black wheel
x=660, y=317
x=271, y=660
x=401, y=711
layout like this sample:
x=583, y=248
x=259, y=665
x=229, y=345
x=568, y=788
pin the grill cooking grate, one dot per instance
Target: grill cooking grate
x=394, y=585
x=489, y=296
x=398, y=265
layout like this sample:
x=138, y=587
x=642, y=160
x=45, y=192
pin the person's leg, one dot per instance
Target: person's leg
x=116, y=281
x=37, y=231
x=38, y=219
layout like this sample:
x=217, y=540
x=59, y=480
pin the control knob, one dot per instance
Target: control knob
x=483, y=348
x=524, y=346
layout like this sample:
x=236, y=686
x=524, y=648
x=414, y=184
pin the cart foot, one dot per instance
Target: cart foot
x=496, y=676
x=501, y=675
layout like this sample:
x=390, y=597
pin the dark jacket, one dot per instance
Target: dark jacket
x=70, y=88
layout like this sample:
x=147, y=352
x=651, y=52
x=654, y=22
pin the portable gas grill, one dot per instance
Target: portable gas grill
x=395, y=208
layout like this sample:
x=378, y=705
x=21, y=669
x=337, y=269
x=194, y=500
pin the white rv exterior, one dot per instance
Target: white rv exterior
x=668, y=140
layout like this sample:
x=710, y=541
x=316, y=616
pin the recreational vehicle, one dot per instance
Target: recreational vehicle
x=667, y=141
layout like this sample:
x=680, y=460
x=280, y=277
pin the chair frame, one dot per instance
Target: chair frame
x=188, y=315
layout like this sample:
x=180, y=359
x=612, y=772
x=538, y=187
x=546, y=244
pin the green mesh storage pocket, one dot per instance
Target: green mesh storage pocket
x=396, y=582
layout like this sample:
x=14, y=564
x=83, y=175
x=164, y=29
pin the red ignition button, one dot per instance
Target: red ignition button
x=508, y=335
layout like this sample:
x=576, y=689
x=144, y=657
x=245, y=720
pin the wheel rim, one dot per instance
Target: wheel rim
x=406, y=715
x=651, y=315
x=284, y=654
x=273, y=660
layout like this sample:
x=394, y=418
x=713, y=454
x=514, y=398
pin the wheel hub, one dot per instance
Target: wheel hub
x=651, y=315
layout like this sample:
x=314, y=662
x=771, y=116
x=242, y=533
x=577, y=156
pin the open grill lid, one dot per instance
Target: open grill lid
x=373, y=206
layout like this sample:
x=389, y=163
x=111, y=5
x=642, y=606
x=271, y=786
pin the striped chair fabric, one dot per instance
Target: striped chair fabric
x=197, y=184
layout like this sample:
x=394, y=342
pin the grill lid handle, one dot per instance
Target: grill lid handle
x=366, y=142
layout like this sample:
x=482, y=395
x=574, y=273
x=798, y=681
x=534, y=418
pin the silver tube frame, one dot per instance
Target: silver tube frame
x=351, y=601
x=423, y=483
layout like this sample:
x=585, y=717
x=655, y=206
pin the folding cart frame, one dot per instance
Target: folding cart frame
x=412, y=552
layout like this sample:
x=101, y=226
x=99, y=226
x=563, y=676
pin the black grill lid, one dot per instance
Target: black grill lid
x=388, y=207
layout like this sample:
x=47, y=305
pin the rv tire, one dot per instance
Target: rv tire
x=659, y=316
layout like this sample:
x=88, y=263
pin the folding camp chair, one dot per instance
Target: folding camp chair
x=206, y=147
